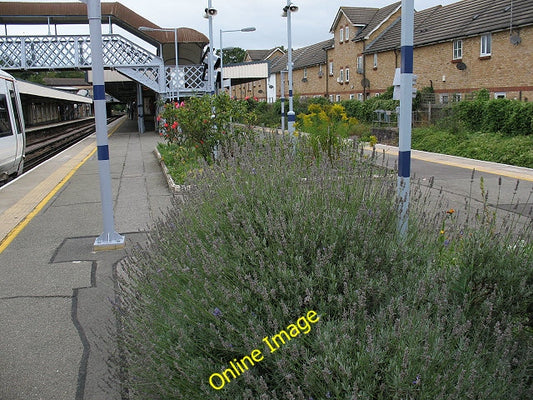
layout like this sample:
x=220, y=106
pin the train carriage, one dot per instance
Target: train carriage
x=12, y=130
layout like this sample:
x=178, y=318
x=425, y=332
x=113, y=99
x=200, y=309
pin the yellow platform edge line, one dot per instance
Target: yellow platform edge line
x=22, y=224
x=457, y=164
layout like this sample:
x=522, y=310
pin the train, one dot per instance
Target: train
x=12, y=129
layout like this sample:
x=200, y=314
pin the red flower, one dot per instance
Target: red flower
x=205, y=121
x=201, y=142
x=175, y=125
x=247, y=98
x=158, y=118
x=166, y=125
x=256, y=99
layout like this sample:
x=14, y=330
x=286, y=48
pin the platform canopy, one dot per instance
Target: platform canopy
x=246, y=72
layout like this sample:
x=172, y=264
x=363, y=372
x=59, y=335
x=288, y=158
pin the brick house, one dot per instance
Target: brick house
x=309, y=71
x=258, y=88
x=458, y=48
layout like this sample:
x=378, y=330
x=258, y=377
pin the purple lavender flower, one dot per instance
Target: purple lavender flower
x=217, y=312
x=417, y=380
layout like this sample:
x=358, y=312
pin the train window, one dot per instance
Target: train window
x=5, y=124
x=14, y=106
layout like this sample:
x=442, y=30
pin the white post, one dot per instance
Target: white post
x=222, y=65
x=291, y=117
x=406, y=106
x=210, y=55
x=177, y=62
x=109, y=239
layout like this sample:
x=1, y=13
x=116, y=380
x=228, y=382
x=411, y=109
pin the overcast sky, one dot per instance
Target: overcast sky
x=311, y=24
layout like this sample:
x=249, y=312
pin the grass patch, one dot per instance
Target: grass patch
x=495, y=147
x=266, y=236
x=180, y=160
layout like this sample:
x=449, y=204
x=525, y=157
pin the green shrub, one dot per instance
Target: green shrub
x=202, y=122
x=265, y=236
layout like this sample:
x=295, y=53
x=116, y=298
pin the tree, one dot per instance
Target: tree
x=233, y=55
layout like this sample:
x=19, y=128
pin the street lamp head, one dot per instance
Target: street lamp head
x=249, y=29
x=210, y=12
x=290, y=7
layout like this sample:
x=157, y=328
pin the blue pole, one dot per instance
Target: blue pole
x=109, y=239
x=406, y=107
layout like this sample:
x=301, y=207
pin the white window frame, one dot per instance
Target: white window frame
x=347, y=33
x=500, y=95
x=485, y=45
x=360, y=96
x=331, y=68
x=347, y=74
x=458, y=49
x=341, y=75
x=305, y=73
x=352, y=96
x=375, y=60
x=331, y=98
x=338, y=98
x=360, y=64
x=341, y=35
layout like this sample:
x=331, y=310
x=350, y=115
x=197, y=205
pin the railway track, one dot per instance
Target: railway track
x=43, y=144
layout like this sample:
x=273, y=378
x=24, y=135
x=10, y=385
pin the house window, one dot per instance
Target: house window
x=375, y=60
x=331, y=98
x=341, y=76
x=352, y=96
x=347, y=33
x=305, y=73
x=486, y=45
x=360, y=64
x=457, y=49
x=338, y=98
x=320, y=71
x=500, y=95
x=347, y=73
x=457, y=97
x=444, y=99
x=341, y=35
x=360, y=96
x=331, y=68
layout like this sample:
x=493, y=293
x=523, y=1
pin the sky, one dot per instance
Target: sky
x=311, y=24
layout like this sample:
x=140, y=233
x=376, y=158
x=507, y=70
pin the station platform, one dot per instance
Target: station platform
x=55, y=291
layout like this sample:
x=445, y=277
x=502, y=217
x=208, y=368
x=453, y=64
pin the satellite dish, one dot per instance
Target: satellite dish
x=461, y=66
x=365, y=83
x=515, y=39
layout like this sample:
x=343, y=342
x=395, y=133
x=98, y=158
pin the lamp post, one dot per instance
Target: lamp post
x=109, y=239
x=249, y=29
x=176, y=67
x=406, y=105
x=287, y=11
x=210, y=12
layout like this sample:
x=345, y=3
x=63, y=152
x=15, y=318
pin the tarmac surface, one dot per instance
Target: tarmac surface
x=55, y=291
x=56, y=319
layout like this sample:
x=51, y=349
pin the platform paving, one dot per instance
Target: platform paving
x=56, y=321
x=55, y=310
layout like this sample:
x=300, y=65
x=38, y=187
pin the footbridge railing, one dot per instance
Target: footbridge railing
x=74, y=52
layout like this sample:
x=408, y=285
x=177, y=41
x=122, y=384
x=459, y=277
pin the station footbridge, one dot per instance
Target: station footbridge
x=157, y=71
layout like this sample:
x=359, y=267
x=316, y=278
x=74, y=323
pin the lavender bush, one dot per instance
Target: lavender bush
x=266, y=235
